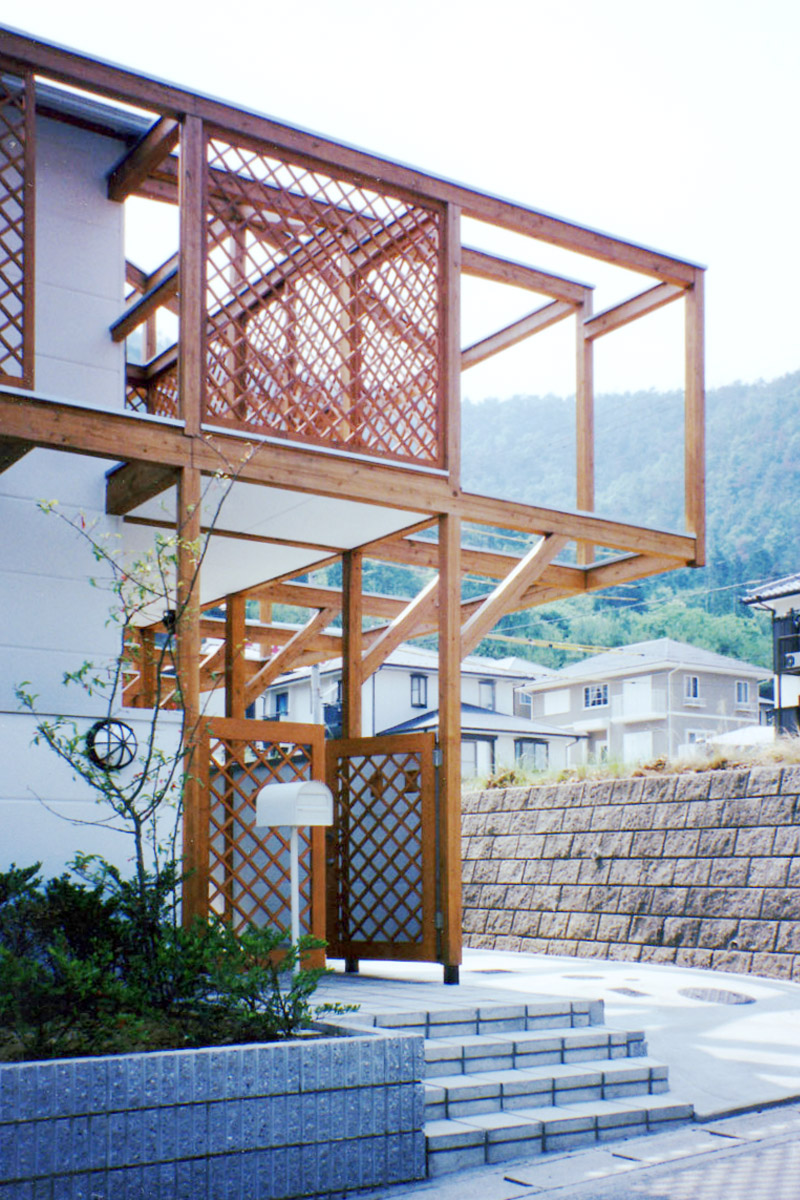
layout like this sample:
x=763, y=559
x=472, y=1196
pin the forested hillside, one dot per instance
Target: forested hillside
x=524, y=448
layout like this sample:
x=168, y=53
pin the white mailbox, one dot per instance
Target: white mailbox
x=307, y=802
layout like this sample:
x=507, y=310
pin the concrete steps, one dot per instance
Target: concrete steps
x=511, y=1081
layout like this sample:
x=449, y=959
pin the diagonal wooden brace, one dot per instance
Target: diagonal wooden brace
x=509, y=591
x=284, y=658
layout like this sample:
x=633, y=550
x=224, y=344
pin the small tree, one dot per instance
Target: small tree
x=191, y=973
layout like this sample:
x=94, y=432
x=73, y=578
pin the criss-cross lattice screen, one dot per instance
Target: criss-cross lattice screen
x=381, y=885
x=323, y=308
x=16, y=231
x=158, y=395
x=248, y=869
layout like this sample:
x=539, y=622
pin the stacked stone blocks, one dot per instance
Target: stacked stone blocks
x=700, y=869
x=296, y=1119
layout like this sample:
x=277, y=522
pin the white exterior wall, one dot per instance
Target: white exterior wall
x=80, y=267
x=648, y=714
x=54, y=618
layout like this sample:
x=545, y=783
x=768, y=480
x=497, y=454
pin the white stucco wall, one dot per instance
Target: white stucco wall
x=55, y=616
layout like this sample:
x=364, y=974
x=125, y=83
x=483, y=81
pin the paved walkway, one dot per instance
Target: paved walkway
x=732, y=1044
x=753, y=1157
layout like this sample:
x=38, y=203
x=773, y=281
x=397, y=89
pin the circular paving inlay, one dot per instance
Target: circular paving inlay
x=716, y=996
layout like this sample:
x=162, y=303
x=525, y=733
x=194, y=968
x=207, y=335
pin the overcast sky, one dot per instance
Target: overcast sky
x=671, y=124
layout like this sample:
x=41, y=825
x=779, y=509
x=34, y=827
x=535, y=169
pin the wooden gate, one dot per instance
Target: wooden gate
x=244, y=874
x=382, y=848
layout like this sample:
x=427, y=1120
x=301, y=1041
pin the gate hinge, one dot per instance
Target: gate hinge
x=438, y=757
x=438, y=921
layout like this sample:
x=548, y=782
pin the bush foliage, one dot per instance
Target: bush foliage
x=96, y=965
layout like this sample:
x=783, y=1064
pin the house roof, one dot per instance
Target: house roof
x=485, y=721
x=789, y=585
x=647, y=656
x=416, y=658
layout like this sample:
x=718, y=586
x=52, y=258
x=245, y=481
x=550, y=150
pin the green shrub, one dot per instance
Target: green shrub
x=102, y=965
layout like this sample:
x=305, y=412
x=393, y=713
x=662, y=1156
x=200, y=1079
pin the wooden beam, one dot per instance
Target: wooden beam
x=626, y=570
x=192, y=268
x=491, y=564
x=503, y=270
x=120, y=84
x=195, y=898
x=403, y=627
x=584, y=423
x=306, y=595
x=535, y=322
x=212, y=669
x=694, y=419
x=487, y=510
x=449, y=628
x=137, y=437
x=286, y=658
x=142, y=308
x=135, y=277
x=149, y=151
x=516, y=583
x=332, y=552
x=450, y=358
x=235, y=642
x=135, y=483
x=630, y=310
x=352, y=645
x=11, y=452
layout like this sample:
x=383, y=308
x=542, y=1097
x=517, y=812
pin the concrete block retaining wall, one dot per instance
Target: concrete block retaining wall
x=306, y=1118
x=696, y=869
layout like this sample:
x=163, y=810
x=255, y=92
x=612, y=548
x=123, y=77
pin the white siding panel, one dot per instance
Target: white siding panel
x=557, y=701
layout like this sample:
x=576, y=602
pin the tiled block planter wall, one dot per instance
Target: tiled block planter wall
x=697, y=869
x=306, y=1118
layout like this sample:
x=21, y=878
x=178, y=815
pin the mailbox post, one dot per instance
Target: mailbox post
x=307, y=802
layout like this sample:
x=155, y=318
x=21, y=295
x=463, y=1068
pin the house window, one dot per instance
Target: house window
x=691, y=688
x=742, y=693
x=280, y=706
x=595, y=695
x=419, y=691
x=486, y=693
x=531, y=754
x=524, y=704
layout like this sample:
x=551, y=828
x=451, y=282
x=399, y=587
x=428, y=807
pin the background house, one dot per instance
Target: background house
x=782, y=599
x=649, y=699
x=497, y=728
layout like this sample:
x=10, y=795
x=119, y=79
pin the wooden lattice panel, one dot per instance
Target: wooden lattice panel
x=249, y=871
x=323, y=308
x=381, y=891
x=16, y=231
x=158, y=396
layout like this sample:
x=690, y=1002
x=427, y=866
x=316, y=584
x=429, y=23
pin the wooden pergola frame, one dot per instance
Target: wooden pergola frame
x=156, y=454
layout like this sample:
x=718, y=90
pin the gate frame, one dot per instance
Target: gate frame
x=248, y=730
x=429, y=949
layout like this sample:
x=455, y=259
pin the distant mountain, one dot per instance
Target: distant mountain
x=524, y=448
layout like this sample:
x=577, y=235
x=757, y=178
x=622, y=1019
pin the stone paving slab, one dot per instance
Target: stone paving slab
x=752, y=1156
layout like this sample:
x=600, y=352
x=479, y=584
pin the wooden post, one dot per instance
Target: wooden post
x=187, y=632
x=148, y=668
x=192, y=272
x=235, y=703
x=450, y=356
x=352, y=647
x=695, y=464
x=584, y=421
x=450, y=742
x=351, y=643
